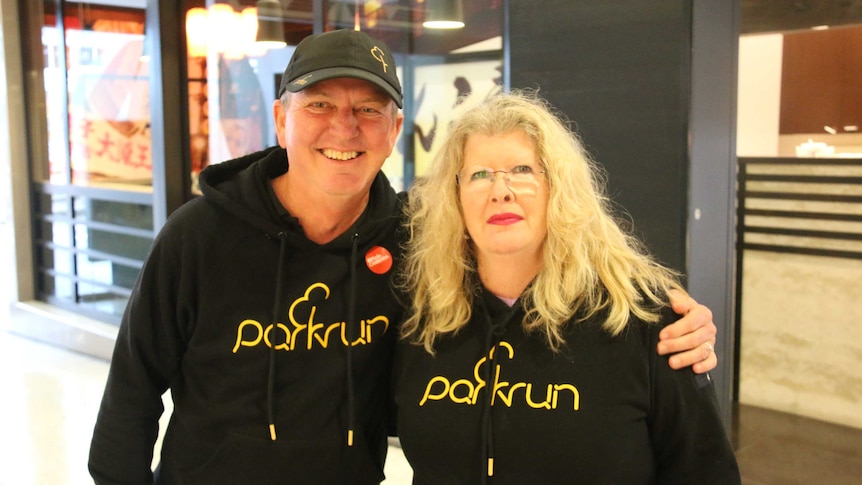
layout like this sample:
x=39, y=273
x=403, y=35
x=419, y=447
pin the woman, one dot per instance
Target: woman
x=528, y=353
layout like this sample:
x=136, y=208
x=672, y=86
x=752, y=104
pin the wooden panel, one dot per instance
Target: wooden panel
x=821, y=80
x=851, y=95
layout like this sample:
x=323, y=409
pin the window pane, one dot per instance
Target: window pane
x=232, y=85
x=108, y=96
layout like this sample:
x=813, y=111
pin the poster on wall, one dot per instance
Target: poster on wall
x=443, y=92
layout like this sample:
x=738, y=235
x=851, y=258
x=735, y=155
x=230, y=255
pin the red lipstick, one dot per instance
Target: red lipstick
x=504, y=219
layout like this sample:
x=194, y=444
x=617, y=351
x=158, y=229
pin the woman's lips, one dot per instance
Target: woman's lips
x=504, y=219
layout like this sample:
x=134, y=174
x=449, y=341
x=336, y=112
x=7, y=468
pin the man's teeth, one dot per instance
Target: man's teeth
x=336, y=155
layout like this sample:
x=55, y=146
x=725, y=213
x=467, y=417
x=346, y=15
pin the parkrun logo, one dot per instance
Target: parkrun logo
x=378, y=54
x=309, y=334
x=463, y=391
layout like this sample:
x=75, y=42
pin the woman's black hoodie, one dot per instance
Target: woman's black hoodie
x=276, y=350
x=496, y=405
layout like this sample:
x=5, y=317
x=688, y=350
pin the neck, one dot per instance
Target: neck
x=507, y=276
x=323, y=217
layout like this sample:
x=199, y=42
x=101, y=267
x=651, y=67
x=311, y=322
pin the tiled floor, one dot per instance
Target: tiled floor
x=779, y=448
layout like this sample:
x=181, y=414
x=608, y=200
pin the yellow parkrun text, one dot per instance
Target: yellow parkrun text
x=307, y=334
x=464, y=391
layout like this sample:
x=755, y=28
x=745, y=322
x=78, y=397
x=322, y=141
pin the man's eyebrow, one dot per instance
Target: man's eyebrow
x=379, y=95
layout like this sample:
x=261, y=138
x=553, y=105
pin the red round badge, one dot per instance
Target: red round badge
x=378, y=259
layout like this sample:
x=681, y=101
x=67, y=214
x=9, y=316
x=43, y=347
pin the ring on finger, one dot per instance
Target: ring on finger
x=709, y=350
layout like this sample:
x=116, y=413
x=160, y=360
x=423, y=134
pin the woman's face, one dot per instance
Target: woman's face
x=505, y=213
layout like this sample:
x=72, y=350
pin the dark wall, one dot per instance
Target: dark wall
x=620, y=71
x=651, y=89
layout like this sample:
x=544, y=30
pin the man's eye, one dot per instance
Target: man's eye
x=522, y=169
x=480, y=175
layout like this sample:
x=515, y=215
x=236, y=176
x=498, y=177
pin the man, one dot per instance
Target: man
x=265, y=306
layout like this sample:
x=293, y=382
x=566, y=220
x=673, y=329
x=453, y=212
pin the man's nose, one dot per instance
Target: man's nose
x=346, y=120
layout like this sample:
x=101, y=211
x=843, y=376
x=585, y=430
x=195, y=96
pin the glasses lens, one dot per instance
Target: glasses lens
x=520, y=178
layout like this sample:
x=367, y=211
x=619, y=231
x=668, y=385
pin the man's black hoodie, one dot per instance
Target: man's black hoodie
x=275, y=349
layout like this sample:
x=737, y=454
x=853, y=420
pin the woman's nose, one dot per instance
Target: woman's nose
x=500, y=190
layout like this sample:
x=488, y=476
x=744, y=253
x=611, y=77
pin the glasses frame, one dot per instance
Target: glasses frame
x=493, y=178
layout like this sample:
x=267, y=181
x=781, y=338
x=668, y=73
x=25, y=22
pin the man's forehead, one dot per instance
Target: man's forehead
x=330, y=86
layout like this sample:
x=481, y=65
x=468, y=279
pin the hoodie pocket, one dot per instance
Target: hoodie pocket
x=246, y=460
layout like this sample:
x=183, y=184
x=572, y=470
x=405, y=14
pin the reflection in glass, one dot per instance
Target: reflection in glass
x=107, y=109
x=232, y=80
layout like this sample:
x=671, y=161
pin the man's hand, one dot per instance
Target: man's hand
x=691, y=339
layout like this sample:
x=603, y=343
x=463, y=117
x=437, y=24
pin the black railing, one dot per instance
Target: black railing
x=777, y=217
x=90, y=243
x=778, y=202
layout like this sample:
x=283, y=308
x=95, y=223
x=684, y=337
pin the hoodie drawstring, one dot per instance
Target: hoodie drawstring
x=351, y=316
x=487, y=431
x=279, y=290
x=491, y=340
x=496, y=330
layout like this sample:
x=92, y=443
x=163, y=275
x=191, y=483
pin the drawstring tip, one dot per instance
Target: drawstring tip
x=349, y=437
x=490, y=467
x=272, y=431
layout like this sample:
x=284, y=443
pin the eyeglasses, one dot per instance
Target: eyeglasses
x=520, y=178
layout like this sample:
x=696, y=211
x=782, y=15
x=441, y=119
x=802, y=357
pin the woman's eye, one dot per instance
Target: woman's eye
x=522, y=169
x=480, y=175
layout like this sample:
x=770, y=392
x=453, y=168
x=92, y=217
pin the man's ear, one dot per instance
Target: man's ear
x=279, y=115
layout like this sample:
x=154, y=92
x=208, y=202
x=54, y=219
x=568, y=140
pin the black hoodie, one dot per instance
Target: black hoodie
x=602, y=410
x=247, y=322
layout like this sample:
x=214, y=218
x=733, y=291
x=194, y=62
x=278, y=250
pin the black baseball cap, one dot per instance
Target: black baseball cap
x=341, y=53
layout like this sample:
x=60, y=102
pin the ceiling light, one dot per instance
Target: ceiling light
x=270, y=29
x=443, y=14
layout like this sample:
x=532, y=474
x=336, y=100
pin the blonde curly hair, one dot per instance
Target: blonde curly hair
x=589, y=263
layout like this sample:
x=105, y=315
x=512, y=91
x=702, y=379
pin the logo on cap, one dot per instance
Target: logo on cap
x=375, y=52
x=303, y=80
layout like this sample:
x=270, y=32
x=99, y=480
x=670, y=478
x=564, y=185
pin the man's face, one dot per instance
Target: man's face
x=337, y=134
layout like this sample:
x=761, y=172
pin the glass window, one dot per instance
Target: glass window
x=100, y=58
x=94, y=174
x=232, y=87
x=95, y=207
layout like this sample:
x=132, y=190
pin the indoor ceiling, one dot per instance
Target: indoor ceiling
x=759, y=16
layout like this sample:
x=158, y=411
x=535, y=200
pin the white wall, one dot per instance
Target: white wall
x=759, y=95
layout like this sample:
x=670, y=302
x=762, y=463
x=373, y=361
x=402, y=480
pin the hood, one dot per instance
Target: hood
x=242, y=187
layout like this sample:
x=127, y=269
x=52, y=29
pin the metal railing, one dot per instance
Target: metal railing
x=804, y=206
x=90, y=243
x=800, y=206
